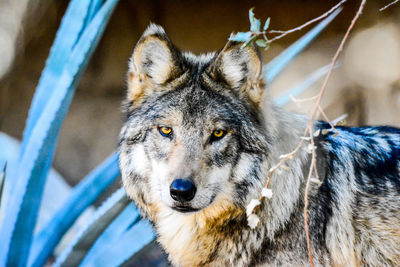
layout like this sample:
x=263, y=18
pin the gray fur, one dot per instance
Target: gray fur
x=354, y=216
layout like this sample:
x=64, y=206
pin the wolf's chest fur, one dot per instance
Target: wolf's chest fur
x=192, y=239
x=200, y=137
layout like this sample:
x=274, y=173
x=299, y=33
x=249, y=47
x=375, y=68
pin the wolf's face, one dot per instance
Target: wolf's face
x=193, y=136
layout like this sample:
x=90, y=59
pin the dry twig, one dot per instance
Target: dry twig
x=284, y=33
x=311, y=122
x=388, y=5
x=308, y=133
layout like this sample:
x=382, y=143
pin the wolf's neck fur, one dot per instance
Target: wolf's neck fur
x=204, y=238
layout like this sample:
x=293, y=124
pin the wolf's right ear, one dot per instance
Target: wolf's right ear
x=154, y=62
x=241, y=70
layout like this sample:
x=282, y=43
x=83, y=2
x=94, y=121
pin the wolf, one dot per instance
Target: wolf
x=200, y=136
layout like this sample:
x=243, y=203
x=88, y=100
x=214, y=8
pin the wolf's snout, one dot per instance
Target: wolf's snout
x=182, y=190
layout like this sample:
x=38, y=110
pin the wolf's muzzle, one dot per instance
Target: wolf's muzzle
x=182, y=190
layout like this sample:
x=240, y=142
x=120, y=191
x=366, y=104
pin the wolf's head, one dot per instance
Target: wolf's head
x=194, y=137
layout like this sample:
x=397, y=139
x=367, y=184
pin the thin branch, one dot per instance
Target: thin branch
x=339, y=119
x=284, y=33
x=311, y=122
x=309, y=129
x=300, y=100
x=326, y=118
x=388, y=5
x=313, y=160
x=284, y=158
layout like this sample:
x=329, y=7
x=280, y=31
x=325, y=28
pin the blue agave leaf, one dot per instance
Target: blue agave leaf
x=21, y=214
x=103, y=216
x=128, y=217
x=302, y=86
x=133, y=240
x=2, y=178
x=276, y=65
x=93, y=8
x=24, y=201
x=84, y=194
x=55, y=185
x=67, y=36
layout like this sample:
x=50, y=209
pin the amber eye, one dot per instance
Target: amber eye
x=217, y=134
x=165, y=131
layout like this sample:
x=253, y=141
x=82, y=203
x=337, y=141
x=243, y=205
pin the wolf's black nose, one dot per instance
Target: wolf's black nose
x=182, y=190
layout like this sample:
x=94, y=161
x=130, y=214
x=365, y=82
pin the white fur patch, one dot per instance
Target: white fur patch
x=219, y=174
x=140, y=160
x=175, y=230
x=243, y=167
x=159, y=181
x=232, y=70
x=160, y=56
x=203, y=58
x=153, y=29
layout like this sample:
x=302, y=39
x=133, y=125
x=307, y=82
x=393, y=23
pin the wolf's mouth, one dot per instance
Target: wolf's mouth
x=184, y=209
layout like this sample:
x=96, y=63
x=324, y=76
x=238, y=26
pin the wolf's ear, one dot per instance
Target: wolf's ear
x=241, y=70
x=154, y=62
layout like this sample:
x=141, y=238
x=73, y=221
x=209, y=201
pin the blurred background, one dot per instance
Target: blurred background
x=366, y=85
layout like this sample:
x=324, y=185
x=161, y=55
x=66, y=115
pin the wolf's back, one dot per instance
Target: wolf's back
x=361, y=187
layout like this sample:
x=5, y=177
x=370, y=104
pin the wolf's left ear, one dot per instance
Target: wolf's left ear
x=241, y=70
x=154, y=62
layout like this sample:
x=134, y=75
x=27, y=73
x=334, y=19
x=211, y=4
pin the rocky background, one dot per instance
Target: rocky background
x=365, y=86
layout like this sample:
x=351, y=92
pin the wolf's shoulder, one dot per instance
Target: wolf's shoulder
x=383, y=140
x=371, y=153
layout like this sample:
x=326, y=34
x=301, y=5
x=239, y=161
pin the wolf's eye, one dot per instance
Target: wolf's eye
x=165, y=131
x=217, y=134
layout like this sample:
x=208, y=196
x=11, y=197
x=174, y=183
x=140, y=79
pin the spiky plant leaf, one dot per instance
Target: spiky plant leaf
x=110, y=237
x=83, y=195
x=66, y=38
x=2, y=179
x=94, y=6
x=111, y=208
x=21, y=213
x=133, y=240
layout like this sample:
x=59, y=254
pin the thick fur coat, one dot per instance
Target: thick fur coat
x=206, y=122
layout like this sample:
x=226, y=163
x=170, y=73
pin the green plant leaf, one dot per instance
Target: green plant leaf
x=261, y=43
x=248, y=42
x=240, y=37
x=255, y=24
x=266, y=25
